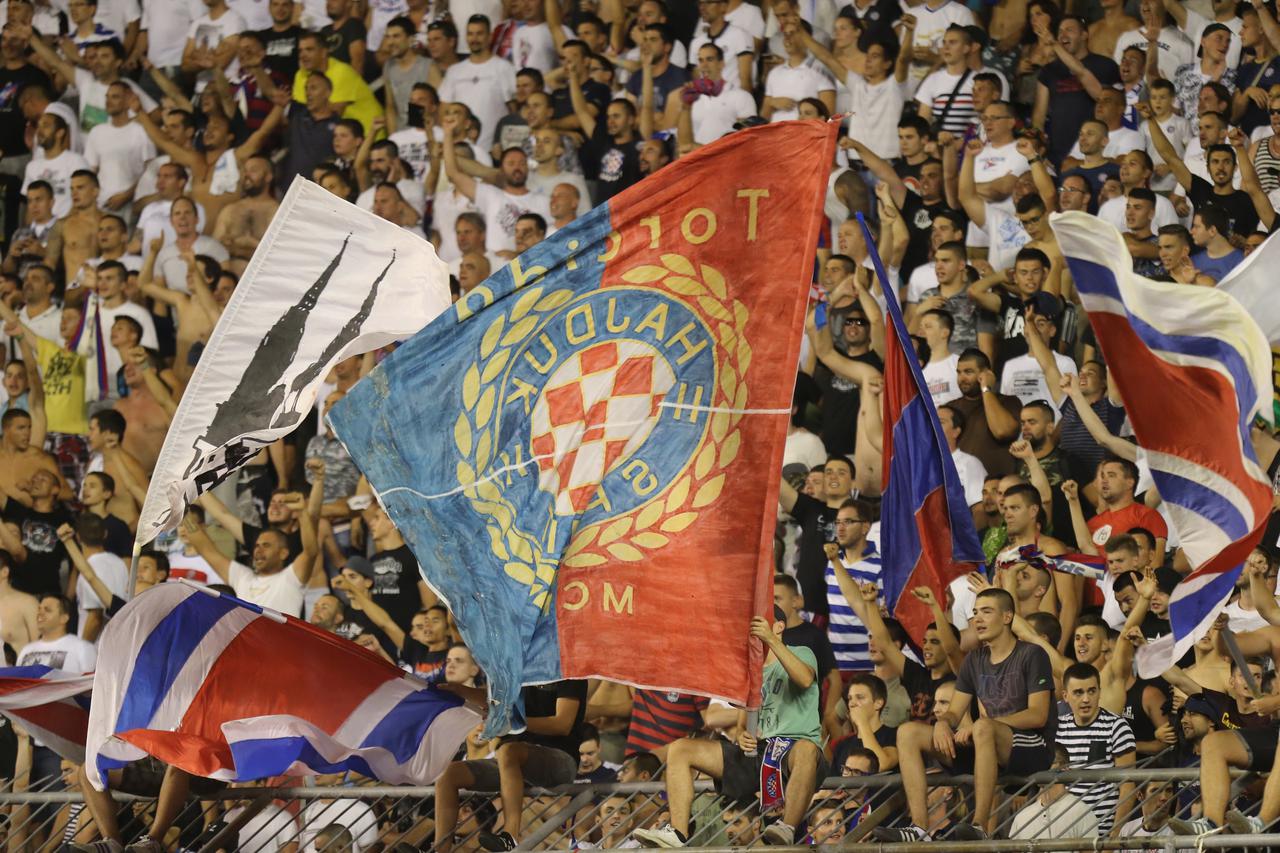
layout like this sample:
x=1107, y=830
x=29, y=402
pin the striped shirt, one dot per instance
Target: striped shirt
x=846, y=632
x=1093, y=747
x=658, y=718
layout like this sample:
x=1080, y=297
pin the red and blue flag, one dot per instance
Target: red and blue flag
x=52, y=705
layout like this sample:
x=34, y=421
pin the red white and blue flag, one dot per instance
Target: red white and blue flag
x=1193, y=368
x=927, y=537
x=52, y=705
x=223, y=689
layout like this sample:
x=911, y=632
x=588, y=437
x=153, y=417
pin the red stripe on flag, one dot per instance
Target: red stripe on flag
x=935, y=568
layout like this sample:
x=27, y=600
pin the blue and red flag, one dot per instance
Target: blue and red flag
x=583, y=455
x=1193, y=369
x=927, y=537
x=224, y=689
x=52, y=705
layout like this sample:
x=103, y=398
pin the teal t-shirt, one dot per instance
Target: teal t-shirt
x=786, y=710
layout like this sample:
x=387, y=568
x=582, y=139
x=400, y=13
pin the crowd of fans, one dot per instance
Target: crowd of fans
x=144, y=145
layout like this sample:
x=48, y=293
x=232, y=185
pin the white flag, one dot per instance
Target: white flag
x=1252, y=283
x=328, y=281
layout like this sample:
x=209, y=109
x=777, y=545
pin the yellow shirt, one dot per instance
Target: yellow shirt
x=64, y=401
x=348, y=87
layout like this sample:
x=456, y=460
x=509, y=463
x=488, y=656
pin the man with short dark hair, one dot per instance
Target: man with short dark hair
x=91, y=559
x=1068, y=86
x=1118, y=512
x=991, y=418
x=611, y=154
x=817, y=527
x=1211, y=232
x=1173, y=250
x=858, y=558
x=484, y=82
x=1013, y=681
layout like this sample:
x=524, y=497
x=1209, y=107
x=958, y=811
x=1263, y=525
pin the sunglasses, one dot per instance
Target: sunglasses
x=857, y=321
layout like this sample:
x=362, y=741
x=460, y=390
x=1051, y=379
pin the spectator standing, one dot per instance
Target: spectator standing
x=1067, y=87
x=484, y=82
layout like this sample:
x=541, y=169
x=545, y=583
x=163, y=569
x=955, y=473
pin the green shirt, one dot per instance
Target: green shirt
x=787, y=710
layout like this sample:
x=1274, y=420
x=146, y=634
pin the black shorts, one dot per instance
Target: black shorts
x=1023, y=760
x=1261, y=746
x=740, y=781
x=144, y=777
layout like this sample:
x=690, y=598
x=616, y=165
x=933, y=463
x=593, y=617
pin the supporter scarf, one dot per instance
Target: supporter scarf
x=771, y=781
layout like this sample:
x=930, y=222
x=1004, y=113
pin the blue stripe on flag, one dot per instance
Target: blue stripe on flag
x=1096, y=279
x=1186, y=614
x=402, y=729
x=164, y=653
x=258, y=759
x=26, y=671
x=1202, y=500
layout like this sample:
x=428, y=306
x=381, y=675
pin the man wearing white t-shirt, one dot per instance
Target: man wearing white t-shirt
x=933, y=17
x=110, y=569
x=211, y=43
x=118, y=149
x=736, y=45
x=534, y=45
x=53, y=136
x=104, y=61
x=875, y=96
x=793, y=81
x=1194, y=24
x=269, y=583
x=1120, y=139
x=1023, y=377
x=715, y=110
x=936, y=325
x=166, y=25
x=484, y=82
x=970, y=468
x=109, y=303
x=501, y=207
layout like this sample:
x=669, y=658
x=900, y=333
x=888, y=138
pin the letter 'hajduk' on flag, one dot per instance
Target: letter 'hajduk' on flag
x=583, y=455
x=327, y=281
x=1193, y=368
x=227, y=690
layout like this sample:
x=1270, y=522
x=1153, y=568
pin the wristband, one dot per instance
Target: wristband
x=1034, y=160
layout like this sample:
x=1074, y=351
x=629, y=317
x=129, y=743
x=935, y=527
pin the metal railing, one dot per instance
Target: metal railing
x=842, y=813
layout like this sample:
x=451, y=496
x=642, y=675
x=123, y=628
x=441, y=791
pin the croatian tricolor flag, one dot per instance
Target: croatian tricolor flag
x=224, y=689
x=52, y=705
x=927, y=536
x=1193, y=368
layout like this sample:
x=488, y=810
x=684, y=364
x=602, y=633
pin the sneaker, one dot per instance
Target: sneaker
x=906, y=833
x=496, y=841
x=663, y=836
x=967, y=832
x=779, y=835
x=1199, y=826
x=145, y=844
x=1243, y=824
x=98, y=847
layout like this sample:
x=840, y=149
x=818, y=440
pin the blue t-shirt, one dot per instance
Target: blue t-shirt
x=1217, y=268
x=663, y=84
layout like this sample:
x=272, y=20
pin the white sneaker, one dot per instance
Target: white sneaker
x=662, y=836
x=779, y=834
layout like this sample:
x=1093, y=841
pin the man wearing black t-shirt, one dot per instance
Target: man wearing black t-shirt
x=1220, y=160
x=611, y=154
x=423, y=649
x=397, y=582
x=817, y=521
x=1063, y=100
x=1013, y=681
x=544, y=755
x=280, y=40
x=345, y=37
x=41, y=572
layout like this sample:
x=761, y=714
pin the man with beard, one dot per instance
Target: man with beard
x=280, y=517
x=242, y=223
x=39, y=569
x=59, y=162
x=1118, y=512
x=1024, y=518
x=501, y=206
x=379, y=163
x=990, y=418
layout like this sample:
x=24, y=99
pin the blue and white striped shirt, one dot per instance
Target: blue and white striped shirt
x=846, y=632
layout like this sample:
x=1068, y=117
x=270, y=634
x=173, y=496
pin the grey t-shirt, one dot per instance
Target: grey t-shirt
x=1004, y=688
x=402, y=80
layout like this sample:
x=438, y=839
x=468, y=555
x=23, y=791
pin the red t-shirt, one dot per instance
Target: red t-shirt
x=1104, y=525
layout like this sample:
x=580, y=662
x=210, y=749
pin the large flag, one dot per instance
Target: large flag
x=221, y=688
x=1193, y=369
x=927, y=537
x=584, y=454
x=328, y=281
x=1252, y=283
x=52, y=705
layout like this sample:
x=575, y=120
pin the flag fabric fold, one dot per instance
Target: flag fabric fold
x=1193, y=369
x=583, y=454
x=927, y=537
x=1252, y=283
x=223, y=689
x=327, y=281
x=52, y=705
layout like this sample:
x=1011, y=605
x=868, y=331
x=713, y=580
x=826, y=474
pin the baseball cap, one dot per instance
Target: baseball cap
x=1046, y=305
x=360, y=566
x=1203, y=705
x=1215, y=27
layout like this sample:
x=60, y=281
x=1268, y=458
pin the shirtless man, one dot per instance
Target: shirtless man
x=242, y=223
x=74, y=239
x=17, y=608
x=1022, y=508
x=195, y=308
x=20, y=453
x=1106, y=31
x=106, y=436
x=148, y=419
x=215, y=172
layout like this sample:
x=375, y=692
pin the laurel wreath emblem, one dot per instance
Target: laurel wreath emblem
x=648, y=526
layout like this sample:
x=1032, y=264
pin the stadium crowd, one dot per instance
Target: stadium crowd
x=144, y=146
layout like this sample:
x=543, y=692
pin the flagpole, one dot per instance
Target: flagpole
x=133, y=571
